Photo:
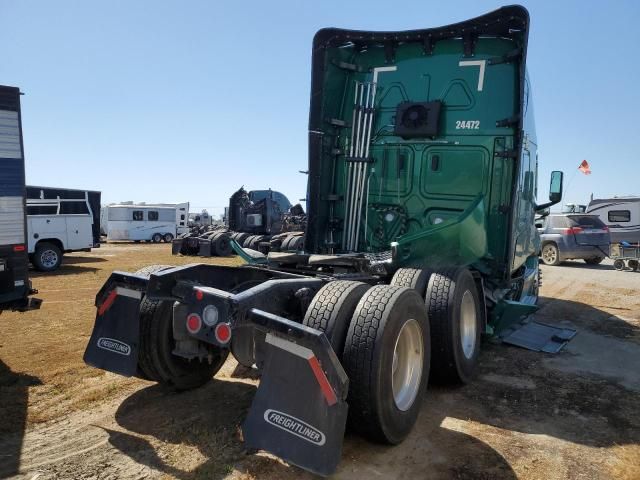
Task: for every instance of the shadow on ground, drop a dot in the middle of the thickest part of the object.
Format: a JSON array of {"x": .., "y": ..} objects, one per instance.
[
  {"x": 208, "y": 418},
  {"x": 579, "y": 264},
  {"x": 514, "y": 392},
  {"x": 65, "y": 269},
  {"x": 71, "y": 260},
  {"x": 14, "y": 399}
]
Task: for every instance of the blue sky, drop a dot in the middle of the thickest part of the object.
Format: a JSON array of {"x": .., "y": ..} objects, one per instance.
[{"x": 186, "y": 101}]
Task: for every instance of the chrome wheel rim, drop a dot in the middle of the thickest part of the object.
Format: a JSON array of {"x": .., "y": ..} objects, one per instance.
[
  {"x": 408, "y": 358},
  {"x": 549, "y": 254},
  {"x": 49, "y": 258},
  {"x": 468, "y": 324}
]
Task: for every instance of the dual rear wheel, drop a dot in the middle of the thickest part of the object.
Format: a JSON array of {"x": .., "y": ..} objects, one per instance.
[
  {"x": 391, "y": 338},
  {"x": 156, "y": 361}
]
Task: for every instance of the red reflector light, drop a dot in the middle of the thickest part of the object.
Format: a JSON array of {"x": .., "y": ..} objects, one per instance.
[
  {"x": 199, "y": 295},
  {"x": 572, "y": 230},
  {"x": 223, "y": 332},
  {"x": 19, "y": 248},
  {"x": 194, "y": 323}
]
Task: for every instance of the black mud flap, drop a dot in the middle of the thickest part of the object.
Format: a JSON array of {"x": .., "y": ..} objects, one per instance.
[
  {"x": 114, "y": 342},
  {"x": 299, "y": 412},
  {"x": 176, "y": 246},
  {"x": 204, "y": 247}
]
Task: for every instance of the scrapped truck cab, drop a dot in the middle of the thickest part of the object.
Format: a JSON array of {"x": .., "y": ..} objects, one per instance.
[{"x": 420, "y": 238}]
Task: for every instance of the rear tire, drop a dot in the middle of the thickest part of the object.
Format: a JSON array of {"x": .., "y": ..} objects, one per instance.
[
  {"x": 456, "y": 321},
  {"x": 550, "y": 254},
  {"x": 222, "y": 245},
  {"x": 47, "y": 257},
  {"x": 416, "y": 278},
  {"x": 241, "y": 237},
  {"x": 331, "y": 310},
  {"x": 618, "y": 264},
  {"x": 247, "y": 241},
  {"x": 155, "y": 359},
  {"x": 156, "y": 238},
  {"x": 168, "y": 237},
  {"x": 389, "y": 329},
  {"x": 296, "y": 244},
  {"x": 255, "y": 242},
  {"x": 633, "y": 265},
  {"x": 285, "y": 243},
  {"x": 594, "y": 260}
]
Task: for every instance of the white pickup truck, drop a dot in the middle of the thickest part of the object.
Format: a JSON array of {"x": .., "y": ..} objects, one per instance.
[{"x": 52, "y": 232}]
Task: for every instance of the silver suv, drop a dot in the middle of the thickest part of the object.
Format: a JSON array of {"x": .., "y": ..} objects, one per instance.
[{"x": 573, "y": 236}]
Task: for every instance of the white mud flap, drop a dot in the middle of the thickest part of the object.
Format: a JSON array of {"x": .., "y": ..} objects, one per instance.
[{"x": 299, "y": 412}]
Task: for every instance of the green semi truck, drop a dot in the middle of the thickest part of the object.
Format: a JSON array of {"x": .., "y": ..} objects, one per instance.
[{"x": 421, "y": 238}]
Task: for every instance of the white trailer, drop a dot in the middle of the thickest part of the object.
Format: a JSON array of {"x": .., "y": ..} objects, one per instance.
[
  {"x": 201, "y": 219},
  {"x": 621, "y": 215},
  {"x": 146, "y": 222},
  {"x": 52, "y": 231}
]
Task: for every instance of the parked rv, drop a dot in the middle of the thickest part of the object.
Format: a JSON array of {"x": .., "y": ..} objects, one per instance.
[
  {"x": 15, "y": 286},
  {"x": 59, "y": 221},
  {"x": 621, "y": 215},
  {"x": 147, "y": 222}
]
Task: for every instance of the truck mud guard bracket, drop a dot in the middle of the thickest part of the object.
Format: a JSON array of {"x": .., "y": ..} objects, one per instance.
[{"x": 299, "y": 412}]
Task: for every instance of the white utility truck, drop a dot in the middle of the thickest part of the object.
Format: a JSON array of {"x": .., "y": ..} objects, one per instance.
[{"x": 59, "y": 225}]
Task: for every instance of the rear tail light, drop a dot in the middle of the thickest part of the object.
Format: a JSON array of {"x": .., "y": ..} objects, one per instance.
[
  {"x": 19, "y": 248},
  {"x": 223, "y": 332},
  {"x": 605, "y": 228},
  {"x": 572, "y": 231},
  {"x": 194, "y": 323}
]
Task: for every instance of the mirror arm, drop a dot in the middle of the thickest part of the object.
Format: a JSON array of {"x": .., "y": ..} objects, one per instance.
[{"x": 542, "y": 206}]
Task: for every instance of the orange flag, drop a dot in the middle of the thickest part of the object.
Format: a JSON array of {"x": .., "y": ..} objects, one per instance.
[{"x": 584, "y": 167}]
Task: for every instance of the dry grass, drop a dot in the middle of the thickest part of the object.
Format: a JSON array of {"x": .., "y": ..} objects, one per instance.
[
  {"x": 42, "y": 350},
  {"x": 518, "y": 420}
]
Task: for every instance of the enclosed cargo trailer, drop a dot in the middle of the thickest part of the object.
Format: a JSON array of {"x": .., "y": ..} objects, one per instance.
[{"x": 15, "y": 285}]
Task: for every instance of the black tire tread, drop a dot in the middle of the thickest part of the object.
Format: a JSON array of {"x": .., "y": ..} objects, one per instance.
[
  {"x": 438, "y": 300},
  {"x": 147, "y": 309},
  {"x": 159, "y": 365},
  {"x": 358, "y": 358},
  {"x": 416, "y": 278},
  {"x": 330, "y": 302}
]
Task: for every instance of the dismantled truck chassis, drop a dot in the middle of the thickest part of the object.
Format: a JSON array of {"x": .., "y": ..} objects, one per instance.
[
  {"x": 261, "y": 220},
  {"x": 420, "y": 238}
]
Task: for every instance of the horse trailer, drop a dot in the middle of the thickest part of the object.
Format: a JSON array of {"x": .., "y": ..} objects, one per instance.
[{"x": 161, "y": 222}]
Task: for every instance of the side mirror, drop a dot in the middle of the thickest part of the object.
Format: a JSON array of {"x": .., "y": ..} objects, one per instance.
[
  {"x": 555, "y": 191},
  {"x": 555, "y": 188}
]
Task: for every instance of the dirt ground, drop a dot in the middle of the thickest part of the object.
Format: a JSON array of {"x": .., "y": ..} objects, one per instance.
[{"x": 528, "y": 415}]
